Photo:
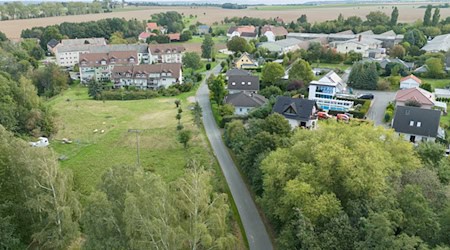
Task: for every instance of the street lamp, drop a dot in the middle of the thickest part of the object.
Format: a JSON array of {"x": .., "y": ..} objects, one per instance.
[{"x": 136, "y": 131}]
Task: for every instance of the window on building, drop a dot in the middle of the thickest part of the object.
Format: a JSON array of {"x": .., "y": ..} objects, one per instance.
[
  {"x": 419, "y": 124},
  {"x": 249, "y": 83},
  {"x": 411, "y": 123},
  {"x": 243, "y": 83},
  {"x": 358, "y": 48},
  {"x": 233, "y": 83}
]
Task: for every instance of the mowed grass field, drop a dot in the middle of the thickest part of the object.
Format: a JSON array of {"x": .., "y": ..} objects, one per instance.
[
  {"x": 408, "y": 12},
  {"x": 91, "y": 153}
]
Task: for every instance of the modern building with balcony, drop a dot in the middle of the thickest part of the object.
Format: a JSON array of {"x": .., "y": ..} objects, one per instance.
[{"x": 324, "y": 92}]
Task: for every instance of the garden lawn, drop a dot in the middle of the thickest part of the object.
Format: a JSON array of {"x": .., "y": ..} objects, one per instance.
[
  {"x": 436, "y": 83},
  {"x": 91, "y": 153},
  {"x": 340, "y": 66}
]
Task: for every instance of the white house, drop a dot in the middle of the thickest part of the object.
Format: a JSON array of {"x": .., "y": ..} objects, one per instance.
[
  {"x": 409, "y": 82},
  {"x": 248, "y": 32},
  {"x": 244, "y": 102},
  {"x": 147, "y": 76},
  {"x": 324, "y": 92},
  {"x": 298, "y": 112},
  {"x": 165, "y": 53},
  {"x": 272, "y": 32},
  {"x": 368, "y": 47}
]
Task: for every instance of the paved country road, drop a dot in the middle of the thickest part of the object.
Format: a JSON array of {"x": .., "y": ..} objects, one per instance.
[{"x": 256, "y": 232}]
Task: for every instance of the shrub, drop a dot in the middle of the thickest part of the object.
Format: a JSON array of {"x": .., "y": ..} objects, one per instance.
[
  {"x": 208, "y": 66},
  {"x": 383, "y": 84},
  {"x": 388, "y": 116},
  {"x": 127, "y": 94}
]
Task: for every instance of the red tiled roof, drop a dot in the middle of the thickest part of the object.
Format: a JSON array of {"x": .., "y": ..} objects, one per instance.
[
  {"x": 152, "y": 26},
  {"x": 415, "y": 78},
  {"x": 174, "y": 68},
  {"x": 145, "y": 35},
  {"x": 420, "y": 95},
  {"x": 277, "y": 30},
  {"x": 164, "y": 48},
  {"x": 174, "y": 36}
]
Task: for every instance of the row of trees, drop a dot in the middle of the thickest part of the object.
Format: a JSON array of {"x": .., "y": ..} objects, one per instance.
[
  {"x": 101, "y": 28},
  {"x": 19, "y": 10},
  {"x": 131, "y": 209}
]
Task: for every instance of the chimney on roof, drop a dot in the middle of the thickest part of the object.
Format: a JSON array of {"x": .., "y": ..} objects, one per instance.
[{"x": 359, "y": 38}]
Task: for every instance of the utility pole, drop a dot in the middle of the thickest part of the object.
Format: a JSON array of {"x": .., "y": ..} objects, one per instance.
[{"x": 136, "y": 131}]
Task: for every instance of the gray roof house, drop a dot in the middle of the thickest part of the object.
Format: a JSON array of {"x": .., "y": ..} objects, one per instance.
[
  {"x": 243, "y": 83},
  {"x": 203, "y": 29},
  {"x": 439, "y": 43},
  {"x": 299, "y": 112},
  {"x": 237, "y": 72},
  {"x": 244, "y": 102},
  {"x": 383, "y": 62},
  {"x": 417, "y": 124}
]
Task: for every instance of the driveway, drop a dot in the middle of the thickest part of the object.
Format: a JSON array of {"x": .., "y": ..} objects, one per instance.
[
  {"x": 379, "y": 104},
  {"x": 256, "y": 232}
]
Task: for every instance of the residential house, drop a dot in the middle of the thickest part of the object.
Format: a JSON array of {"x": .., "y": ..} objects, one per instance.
[
  {"x": 248, "y": 32},
  {"x": 273, "y": 32},
  {"x": 438, "y": 44},
  {"x": 368, "y": 47},
  {"x": 237, "y": 72},
  {"x": 152, "y": 26},
  {"x": 384, "y": 61},
  {"x": 203, "y": 29},
  {"x": 145, "y": 35},
  {"x": 442, "y": 93},
  {"x": 417, "y": 124},
  {"x": 244, "y": 102},
  {"x": 51, "y": 45},
  {"x": 324, "y": 92},
  {"x": 83, "y": 41},
  {"x": 410, "y": 81},
  {"x": 421, "y": 97},
  {"x": 422, "y": 69},
  {"x": 243, "y": 83},
  {"x": 298, "y": 112},
  {"x": 174, "y": 37},
  {"x": 99, "y": 66},
  {"x": 245, "y": 62},
  {"x": 147, "y": 76},
  {"x": 68, "y": 56},
  {"x": 165, "y": 53}
]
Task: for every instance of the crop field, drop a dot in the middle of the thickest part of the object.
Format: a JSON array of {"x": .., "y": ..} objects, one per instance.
[
  {"x": 209, "y": 15},
  {"x": 91, "y": 153}
]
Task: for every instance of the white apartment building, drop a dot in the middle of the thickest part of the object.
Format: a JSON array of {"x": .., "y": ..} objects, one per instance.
[
  {"x": 324, "y": 93},
  {"x": 165, "y": 53}
]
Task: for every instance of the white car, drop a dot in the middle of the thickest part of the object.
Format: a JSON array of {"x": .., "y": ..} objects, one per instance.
[{"x": 43, "y": 142}]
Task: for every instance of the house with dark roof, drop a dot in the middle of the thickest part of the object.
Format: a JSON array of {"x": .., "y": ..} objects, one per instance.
[
  {"x": 417, "y": 124},
  {"x": 244, "y": 102},
  {"x": 298, "y": 112},
  {"x": 237, "y": 72},
  {"x": 245, "y": 62},
  {"x": 51, "y": 45},
  {"x": 243, "y": 83}
]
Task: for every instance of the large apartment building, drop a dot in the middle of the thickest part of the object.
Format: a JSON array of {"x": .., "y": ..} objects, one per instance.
[
  {"x": 165, "y": 53},
  {"x": 147, "y": 76},
  {"x": 99, "y": 66},
  {"x": 69, "y": 55}
]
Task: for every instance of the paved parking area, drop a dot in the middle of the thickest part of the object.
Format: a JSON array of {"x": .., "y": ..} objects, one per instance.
[{"x": 380, "y": 102}]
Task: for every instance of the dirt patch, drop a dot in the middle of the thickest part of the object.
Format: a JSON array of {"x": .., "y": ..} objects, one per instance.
[
  {"x": 191, "y": 99},
  {"x": 209, "y": 15}
]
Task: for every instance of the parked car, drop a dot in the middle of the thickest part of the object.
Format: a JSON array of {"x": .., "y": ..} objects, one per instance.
[
  {"x": 343, "y": 117},
  {"x": 323, "y": 115},
  {"x": 367, "y": 96},
  {"x": 43, "y": 142}
]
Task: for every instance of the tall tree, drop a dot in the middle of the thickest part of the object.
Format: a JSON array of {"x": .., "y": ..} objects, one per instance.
[
  {"x": 216, "y": 85},
  {"x": 272, "y": 72},
  {"x": 394, "y": 17},
  {"x": 238, "y": 44},
  {"x": 207, "y": 47},
  {"x": 301, "y": 70},
  {"x": 427, "y": 15},
  {"x": 436, "y": 17},
  {"x": 435, "y": 68},
  {"x": 192, "y": 60}
]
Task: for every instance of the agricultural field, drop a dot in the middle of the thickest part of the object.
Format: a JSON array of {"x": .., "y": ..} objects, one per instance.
[
  {"x": 209, "y": 15},
  {"x": 90, "y": 154}
]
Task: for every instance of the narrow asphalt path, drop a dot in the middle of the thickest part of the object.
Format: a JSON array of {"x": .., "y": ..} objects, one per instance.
[{"x": 256, "y": 232}]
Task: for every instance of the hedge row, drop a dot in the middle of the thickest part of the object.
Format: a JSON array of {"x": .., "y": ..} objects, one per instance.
[{"x": 136, "y": 94}]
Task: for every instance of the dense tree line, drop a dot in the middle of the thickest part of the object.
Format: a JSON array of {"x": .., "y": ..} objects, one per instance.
[
  {"x": 101, "y": 28},
  {"x": 233, "y": 6},
  {"x": 21, "y": 109},
  {"x": 131, "y": 209},
  {"x": 172, "y": 20},
  {"x": 19, "y": 10}
]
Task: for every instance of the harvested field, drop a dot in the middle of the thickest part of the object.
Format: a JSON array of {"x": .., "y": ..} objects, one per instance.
[{"x": 208, "y": 15}]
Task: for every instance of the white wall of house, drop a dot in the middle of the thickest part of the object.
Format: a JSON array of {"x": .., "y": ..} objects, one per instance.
[
  {"x": 311, "y": 124},
  {"x": 408, "y": 84},
  {"x": 352, "y": 46},
  {"x": 68, "y": 59},
  {"x": 242, "y": 110},
  {"x": 418, "y": 138},
  {"x": 270, "y": 36},
  {"x": 235, "y": 33}
]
